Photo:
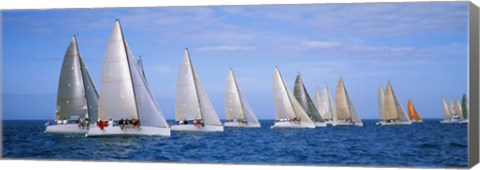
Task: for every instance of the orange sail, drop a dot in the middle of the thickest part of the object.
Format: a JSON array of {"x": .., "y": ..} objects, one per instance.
[{"x": 412, "y": 112}]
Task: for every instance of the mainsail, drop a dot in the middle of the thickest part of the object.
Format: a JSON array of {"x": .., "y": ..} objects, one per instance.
[
  {"x": 458, "y": 109},
  {"x": 381, "y": 102},
  {"x": 325, "y": 104},
  {"x": 192, "y": 101},
  {"x": 302, "y": 96},
  {"x": 76, "y": 97},
  {"x": 446, "y": 110},
  {"x": 124, "y": 90},
  {"x": 286, "y": 106},
  {"x": 344, "y": 107},
  {"x": 236, "y": 106},
  {"x": 393, "y": 109},
  {"x": 412, "y": 112}
]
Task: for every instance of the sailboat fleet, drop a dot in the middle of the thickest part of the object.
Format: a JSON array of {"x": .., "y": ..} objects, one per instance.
[{"x": 126, "y": 105}]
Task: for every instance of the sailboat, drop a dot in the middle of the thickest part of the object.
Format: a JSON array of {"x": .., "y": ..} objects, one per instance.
[
  {"x": 465, "y": 108},
  {"x": 346, "y": 113},
  {"x": 449, "y": 113},
  {"x": 77, "y": 98},
  {"x": 325, "y": 105},
  {"x": 288, "y": 111},
  {"x": 238, "y": 112},
  {"x": 194, "y": 112},
  {"x": 125, "y": 94},
  {"x": 393, "y": 113},
  {"x": 459, "y": 111},
  {"x": 302, "y": 96},
  {"x": 412, "y": 112}
]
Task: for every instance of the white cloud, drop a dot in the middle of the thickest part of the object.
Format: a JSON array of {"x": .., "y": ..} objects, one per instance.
[{"x": 225, "y": 48}]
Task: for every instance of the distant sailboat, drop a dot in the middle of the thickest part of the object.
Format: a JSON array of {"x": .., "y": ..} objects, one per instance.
[
  {"x": 325, "y": 105},
  {"x": 238, "y": 112},
  {"x": 412, "y": 112},
  {"x": 192, "y": 103},
  {"x": 302, "y": 96},
  {"x": 125, "y": 94},
  {"x": 381, "y": 102},
  {"x": 448, "y": 113},
  {"x": 288, "y": 111},
  {"x": 393, "y": 113},
  {"x": 346, "y": 113},
  {"x": 77, "y": 97}
]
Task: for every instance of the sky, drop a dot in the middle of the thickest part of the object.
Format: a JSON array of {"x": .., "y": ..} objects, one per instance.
[{"x": 420, "y": 47}]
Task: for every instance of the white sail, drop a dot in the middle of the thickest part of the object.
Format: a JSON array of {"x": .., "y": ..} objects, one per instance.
[
  {"x": 91, "y": 93},
  {"x": 233, "y": 103},
  {"x": 249, "y": 115},
  {"x": 446, "y": 110},
  {"x": 117, "y": 98},
  {"x": 192, "y": 101},
  {"x": 452, "y": 108},
  {"x": 392, "y": 108},
  {"x": 381, "y": 102},
  {"x": 149, "y": 112},
  {"x": 331, "y": 103},
  {"x": 301, "y": 95},
  {"x": 327, "y": 109},
  {"x": 124, "y": 90},
  {"x": 344, "y": 107},
  {"x": 458, "y": 109},
  {"x": 236, "y": 106},
  {"x": 187, "y": 102},
  {"x": 286, "y": 106},
  {"x": 71, "y": 102}
]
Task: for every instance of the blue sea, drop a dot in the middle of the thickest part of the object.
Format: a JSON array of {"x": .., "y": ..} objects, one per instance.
[{"x": 428, "y": 144}]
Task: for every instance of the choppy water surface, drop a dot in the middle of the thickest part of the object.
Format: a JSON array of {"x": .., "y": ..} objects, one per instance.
[{"x": 428, "y": 144}]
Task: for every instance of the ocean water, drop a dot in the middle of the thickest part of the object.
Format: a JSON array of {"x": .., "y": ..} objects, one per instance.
[{"x": 428, "y": 144}]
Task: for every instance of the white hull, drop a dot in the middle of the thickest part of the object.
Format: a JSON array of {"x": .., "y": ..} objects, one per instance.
[
  {"x": 116, "y": 131},
  {"x": 450, "y": 121},
  {"x": 292, "y": 125},
  {"x": 383, "y": 123},
  {"x": 330, "y": 122},
  {"x": 193, "y": 128},
  {"x": 464, "y": 121},
  {"x": 340, "y": 123},
  {"x": 320, "y": 124},
  {"x": 238, "y": 124},
  {"x": 417, "y": 121},
  {"x": 65, "y": 129}
]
